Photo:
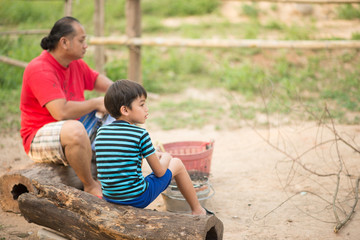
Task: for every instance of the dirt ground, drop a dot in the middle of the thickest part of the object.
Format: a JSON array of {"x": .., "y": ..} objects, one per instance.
[{"x": 252, "y": 181}]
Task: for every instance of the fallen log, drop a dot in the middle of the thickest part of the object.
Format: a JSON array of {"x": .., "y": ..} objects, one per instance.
[
  {"x": 42, "y": 198},
  {"x": 13, "y": 184}
]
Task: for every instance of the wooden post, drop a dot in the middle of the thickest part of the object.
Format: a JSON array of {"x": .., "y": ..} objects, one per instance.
[
  {"x": 68, "y": 7},
  {"x": 133, "y": 30},
  {"x": 99, "y": 31}
]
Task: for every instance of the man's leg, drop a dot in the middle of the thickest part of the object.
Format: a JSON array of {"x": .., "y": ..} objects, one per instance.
[{"x": 77, "y": 149}]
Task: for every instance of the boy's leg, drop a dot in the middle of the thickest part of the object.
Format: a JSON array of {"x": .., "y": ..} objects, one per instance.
[
  {"x": 77, "y": 149},
  {"x": 185, "y": 186}
]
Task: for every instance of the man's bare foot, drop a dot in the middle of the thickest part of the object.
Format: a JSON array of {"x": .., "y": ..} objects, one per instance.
[{"x": 94, "y": 189}]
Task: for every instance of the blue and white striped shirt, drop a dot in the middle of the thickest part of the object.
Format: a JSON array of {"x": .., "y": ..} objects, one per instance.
[{"x": 120, "y": 148}]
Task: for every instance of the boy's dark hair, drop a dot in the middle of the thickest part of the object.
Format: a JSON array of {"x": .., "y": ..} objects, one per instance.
[
  {"x": 63, "y": 27},
  {"x": 122, "y": 93}
]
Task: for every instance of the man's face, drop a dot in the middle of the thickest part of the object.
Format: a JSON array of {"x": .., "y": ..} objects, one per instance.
[{"x": 77, "y": 44}]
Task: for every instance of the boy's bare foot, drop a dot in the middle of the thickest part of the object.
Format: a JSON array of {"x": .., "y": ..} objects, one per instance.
[{"x": 202, "y": 211}]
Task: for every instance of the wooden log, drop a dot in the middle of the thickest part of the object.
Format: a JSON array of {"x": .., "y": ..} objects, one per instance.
[
  {"x": 40, "y": 195},
  {"x": 79, "y": 215},
  {"x": 13, "y": 184}
]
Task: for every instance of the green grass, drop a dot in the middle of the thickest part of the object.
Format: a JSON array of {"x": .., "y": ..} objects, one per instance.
[
  {"x": 355, "y": 36},
  {"x": 23, "y": 14},
  {"x": 250, "y": 10},
  {"x": 189, "y": 113},
  {"x": 349, "y": 11},
  {"x": 22, "y": 48},
  {"x": 9, "y": 111},
  {"x": 165, "y": 8}
]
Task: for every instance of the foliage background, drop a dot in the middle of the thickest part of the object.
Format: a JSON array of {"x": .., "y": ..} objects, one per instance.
[{"x": 282, "y": 77}]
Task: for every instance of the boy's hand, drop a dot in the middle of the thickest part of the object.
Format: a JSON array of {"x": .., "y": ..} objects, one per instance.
[{"x": 163, "y": 155}]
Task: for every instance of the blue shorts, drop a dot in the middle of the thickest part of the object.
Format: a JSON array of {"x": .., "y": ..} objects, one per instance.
[{"x": 156, "y": 186}]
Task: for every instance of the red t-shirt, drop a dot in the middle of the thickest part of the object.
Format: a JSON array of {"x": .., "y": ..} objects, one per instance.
[{"x": 45, "y": 80}]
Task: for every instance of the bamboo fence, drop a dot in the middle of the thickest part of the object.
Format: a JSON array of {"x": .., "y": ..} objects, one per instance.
[
  {"x": 225, "y": 43},
  {"x": 25, "y": 32},
  {"x": 14, "y": 62},
  {"x": 134, "y": 41}
]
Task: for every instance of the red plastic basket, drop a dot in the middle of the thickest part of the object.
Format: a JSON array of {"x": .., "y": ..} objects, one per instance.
[{"x": 195, "y": 155}]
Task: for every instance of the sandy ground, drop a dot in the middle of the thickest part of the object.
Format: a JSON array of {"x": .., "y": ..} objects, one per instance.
[{"x": 252, "y": 180}]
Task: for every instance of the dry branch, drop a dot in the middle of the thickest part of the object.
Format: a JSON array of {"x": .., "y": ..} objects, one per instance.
[
  {"x": 342, "y": 223},
  {"x": 341, "y": 172}
]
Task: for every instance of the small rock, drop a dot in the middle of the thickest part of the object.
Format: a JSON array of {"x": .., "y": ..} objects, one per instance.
[{"x": 20, "y": 234}]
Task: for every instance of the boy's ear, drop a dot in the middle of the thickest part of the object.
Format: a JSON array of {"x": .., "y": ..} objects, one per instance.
[{"x": 124, "y": 110}]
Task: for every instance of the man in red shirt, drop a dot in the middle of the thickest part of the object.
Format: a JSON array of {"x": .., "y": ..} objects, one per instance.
[{"x": 52, "y": 101}]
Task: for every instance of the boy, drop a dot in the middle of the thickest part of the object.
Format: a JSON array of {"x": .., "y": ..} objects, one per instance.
[{"x": 121, "y": 146}]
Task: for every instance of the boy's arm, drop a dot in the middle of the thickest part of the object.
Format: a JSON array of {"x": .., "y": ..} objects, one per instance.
[{"x": 159, "y": 163}]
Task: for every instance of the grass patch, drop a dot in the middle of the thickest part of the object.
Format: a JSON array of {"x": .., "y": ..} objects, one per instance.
[
  {"x": 190, "y": 113},
  {"x": 349, "y": 11},
  {"x": 25, "y": 14},
  {"x": 355, "y": 36},
  {"x": 166, "y": 8},
  {"x": 250, "y": 10},
  {"x": 22, "y": 48},
  {"x": 9, "y": 111},
  {"x": 173, "y": 71}
]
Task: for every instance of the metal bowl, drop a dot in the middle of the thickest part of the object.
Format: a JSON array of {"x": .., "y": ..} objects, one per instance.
[{"x": 175, "y": 202}]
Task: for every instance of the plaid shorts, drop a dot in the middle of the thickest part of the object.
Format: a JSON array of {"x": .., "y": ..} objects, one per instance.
[{"x": 46, "y": 146}]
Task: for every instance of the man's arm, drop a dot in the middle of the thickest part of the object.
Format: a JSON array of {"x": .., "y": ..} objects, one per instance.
[
  {"x": 102, "y": 83},
  {"x": 60, "y": 109}
]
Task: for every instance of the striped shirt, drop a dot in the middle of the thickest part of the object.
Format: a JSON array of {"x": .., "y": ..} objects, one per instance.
[{"x": 120, "y": 148}]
